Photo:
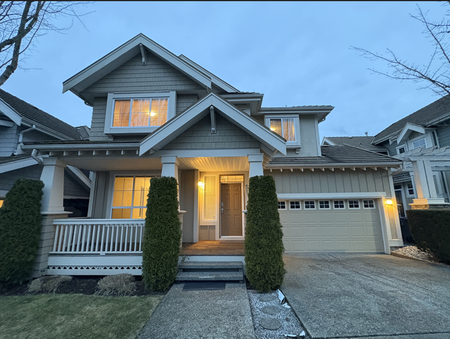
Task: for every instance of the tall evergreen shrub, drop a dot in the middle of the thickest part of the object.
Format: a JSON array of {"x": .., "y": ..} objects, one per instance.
[
  {"x": 20, "y": 231},
  {"x": 263, "y": 236},
  {"x": 162, "y": 235},
  {"x": 431, "y": 232}
]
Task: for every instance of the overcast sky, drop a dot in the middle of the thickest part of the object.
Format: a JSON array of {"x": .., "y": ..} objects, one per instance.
[{"x": 295, "y": 53}]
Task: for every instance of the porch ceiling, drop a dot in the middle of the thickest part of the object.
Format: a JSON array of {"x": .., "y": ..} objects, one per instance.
[{"x": 215, "y": 164}]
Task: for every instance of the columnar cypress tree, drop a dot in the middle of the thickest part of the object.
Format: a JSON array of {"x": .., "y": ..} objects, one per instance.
[
  {"x": 162, "y": 235},
  {"x": 263, "y": 236},
  {"x": 20, "y": 231}
]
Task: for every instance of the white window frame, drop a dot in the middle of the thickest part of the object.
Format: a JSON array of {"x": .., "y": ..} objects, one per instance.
[
  {"x": 309, "y": 208},
  {"x": 354, "y": 208},
  {"x": 285, "y": 205},
  {"x": 109, "y": 129},
  {"x": 324, "y": 208},
  {"x": 339, "y": 208},
  {"x": 289, "y": 144},
  {"x": 369, "y": 208},
  {"x": 408, "y": 194},
  {"x": 299, "y": 205},
  {"x": 399, "y": 147},
  {"x": 424, "y": 138}
]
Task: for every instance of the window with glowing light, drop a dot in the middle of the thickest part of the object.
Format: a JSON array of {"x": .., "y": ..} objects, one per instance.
[
  {"x": 285, "y": 126},
  {"x": 130, "y": 197},
  {"x": 140, "y": 112}
]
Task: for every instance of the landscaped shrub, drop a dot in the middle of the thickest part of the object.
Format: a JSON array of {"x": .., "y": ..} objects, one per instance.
[
  {"x": 162, "y": 235},
  {"x": 20, "y": 231},
  {"x": 117, "y": 284},
  {"x": 431, "y": 231},
  {"x": 263, "y": 236}
]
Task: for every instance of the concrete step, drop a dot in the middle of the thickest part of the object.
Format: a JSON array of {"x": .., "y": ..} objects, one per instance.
[
  {"x": 210, "y": 276},
  {"x": 211, "y": 265}
]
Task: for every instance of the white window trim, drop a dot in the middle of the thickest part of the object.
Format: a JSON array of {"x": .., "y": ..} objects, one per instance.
[
  {"x": 285, "y": 205},
  {"x": 408, "y": 195},
  {"x": 419, "y": 139},
  {"x": 354, "y": 208},
  {"x": 338, "y": 208},
  {"x": 368, "y": 208},
  {"x": 289, "y": 144},
  {"x": 324, "y": 208},
  {"x": 309, "y": 209},
  {"x": 401, "y": 146},
  {"x": 109, "y": 129},
  {"x": 295, "y": 209}
]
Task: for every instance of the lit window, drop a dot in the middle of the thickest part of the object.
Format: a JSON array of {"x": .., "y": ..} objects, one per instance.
[
  {"x": 324, "y": 204},
  {"x": 339, "y": 204},
  {"x": 294, "y": 205},
  {"x": 310, "y": 205},
  {"x": 284, "y": 127},
  {"x": 368, "y": 204},
  {"x": 140, "y": 112},
  {"x": 419, "y": 143},
  {"x": 353, "y": 204},
  {"x": 1, "y": 202},
  {"x": 281, "y": 205},
  {"x": 130, "y": 197}
]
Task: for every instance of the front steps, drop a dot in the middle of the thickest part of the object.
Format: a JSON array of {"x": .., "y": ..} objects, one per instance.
[{"x": 210, "y": 271}]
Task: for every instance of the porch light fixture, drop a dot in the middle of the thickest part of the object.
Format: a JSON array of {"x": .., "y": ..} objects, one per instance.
[
  {"x": 201, "y": 184},
  {"x": 389, "y": 202}
]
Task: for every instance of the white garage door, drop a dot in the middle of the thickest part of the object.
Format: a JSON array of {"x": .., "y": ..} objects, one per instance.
[{"x": 333, "y": 226}]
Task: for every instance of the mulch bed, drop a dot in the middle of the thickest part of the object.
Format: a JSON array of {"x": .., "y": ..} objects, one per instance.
[{"x": 81, "y": 285}]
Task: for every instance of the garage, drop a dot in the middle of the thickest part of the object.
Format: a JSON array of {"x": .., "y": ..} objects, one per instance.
[{"x": 331, "y": 225}]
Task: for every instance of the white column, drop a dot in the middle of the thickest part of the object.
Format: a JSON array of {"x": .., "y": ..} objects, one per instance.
[
  {"x": 169, "y": 167},
  {"x": 424, "y": 183},
  {"x": 256, "y": 166},
  {"x": 53, "y": 178}
]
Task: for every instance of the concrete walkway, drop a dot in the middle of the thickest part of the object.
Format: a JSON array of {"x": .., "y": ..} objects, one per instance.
[
  {"x": 369, "y": 296},
  {"x": 202, "y": 314}
]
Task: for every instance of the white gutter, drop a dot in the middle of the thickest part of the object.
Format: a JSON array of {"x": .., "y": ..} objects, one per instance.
[{"x": 20, "y": 143}]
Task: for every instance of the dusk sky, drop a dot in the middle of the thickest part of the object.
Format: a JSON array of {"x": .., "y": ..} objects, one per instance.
[{"x": 295, "y": 53}]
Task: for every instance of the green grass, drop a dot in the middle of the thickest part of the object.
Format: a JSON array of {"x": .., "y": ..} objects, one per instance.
[{"x": 74, "y": 316}]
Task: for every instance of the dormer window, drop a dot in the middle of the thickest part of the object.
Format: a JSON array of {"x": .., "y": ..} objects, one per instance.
[
  {"x": 138, "y": 113},
  {"x": 286, "y": 126},
  {"x": 419, "y": 143}
]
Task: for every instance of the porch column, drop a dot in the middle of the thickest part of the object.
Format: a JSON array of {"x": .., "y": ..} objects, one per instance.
[
  {"x": 256, "y": 166},
  {"x": 169, "y": 167},
  {"x": 51, "y": 208},
  {"x": 424, "y": 184}
]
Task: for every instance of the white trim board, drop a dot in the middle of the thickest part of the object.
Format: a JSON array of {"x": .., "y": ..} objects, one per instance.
[
  {"x": 10, "y": 112},
  {"x": 330, "y": 196},
  {"x": 18, "y": 164}
]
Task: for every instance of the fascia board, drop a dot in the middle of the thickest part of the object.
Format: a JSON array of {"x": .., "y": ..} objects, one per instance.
[
  {"x": 242, "y": 119},
  {"x": 331, "y": 196},
  {"x": 336, "y": 165},
  {"x": 15, "y": 165},
  {"x": 127, "y": 47},
  {"x": 46, "y": 130},
  {"x": 83, "y": 147},
  {"x": 10, "y": 112},
  {"x": 328, "y": 141},
  {"x": 406, "y": 131}
]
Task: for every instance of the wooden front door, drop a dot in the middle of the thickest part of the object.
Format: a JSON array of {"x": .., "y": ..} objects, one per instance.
[{"x": 231, "y": 210}]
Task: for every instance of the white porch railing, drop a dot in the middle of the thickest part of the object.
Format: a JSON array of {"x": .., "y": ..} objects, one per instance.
[{"x": 98, "y": 236}]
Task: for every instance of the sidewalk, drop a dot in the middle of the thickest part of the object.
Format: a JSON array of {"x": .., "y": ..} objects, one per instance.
[{"x": 202, "y": 314}]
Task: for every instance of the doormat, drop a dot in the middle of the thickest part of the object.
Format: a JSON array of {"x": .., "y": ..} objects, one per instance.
[{"x": 204, "y": 285}]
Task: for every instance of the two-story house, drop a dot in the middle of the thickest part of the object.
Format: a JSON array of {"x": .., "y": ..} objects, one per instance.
[
  {"x": 21, "y": 122},
  {"x": 158, "y": 114},
  {"x": 421, "y": 140}
]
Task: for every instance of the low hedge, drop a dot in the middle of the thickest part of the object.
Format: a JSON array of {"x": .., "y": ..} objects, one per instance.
[
  {"x": 20, "y": 231},
  {"x": 263, "y": 236},
  {"x": 431, "y": 231},
  {"x": 162, "y": 235}
]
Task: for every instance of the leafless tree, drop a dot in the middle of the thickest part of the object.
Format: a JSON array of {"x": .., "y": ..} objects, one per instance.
[
  {"x": 435, "y": 74},
  {"x": 22, "y": 22}
]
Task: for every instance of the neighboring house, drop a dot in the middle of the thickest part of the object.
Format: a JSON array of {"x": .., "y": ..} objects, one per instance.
[
  {"x": 21, "y": 122},
  {"x": 364, "y": 142},
  {"x": 157, "y": 114},
  {"x": 421, "y": 140}
]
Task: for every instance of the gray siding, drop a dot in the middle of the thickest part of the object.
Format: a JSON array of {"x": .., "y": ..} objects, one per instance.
[
  {"x": 72, "y": 187},
  {"x": 199, "y": 136},
  {"x": 98, "y": 121},
  {"x": 100, "y": 199},
  {"x": 8, "y": 179},
  {"x": 185, "y": 101},
  {"x": 444, "y": 136},
  {"x": 8, "y": 143},
  {"x": 331, "y": 182},
  {"x": 132, "y": 77},
  {"x": 187, "y": 197}
]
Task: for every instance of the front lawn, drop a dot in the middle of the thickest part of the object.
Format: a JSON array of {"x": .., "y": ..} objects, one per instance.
[{"x": 74, "y": 316}]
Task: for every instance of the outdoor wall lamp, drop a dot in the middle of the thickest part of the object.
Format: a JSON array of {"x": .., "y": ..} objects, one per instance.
[
  {"x": 201, "y": 184},
  {"x": 389, "y": 202}
]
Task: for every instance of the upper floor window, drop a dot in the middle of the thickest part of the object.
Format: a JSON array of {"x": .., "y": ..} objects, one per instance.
[
  {"x": 419, "y": 143},
  {"x": 287, "y": 127},
  {"x": 401, "y": 149},
  {"x": 138, "y": 113}
]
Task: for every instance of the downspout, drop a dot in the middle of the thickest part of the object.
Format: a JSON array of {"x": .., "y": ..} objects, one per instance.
[
  {"x": 20, "y": 143},
  {"x": 36, "y": 157}
]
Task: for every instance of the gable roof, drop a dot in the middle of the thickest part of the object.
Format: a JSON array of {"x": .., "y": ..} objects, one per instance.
[
  {"x": 174, "y": 127},
  {"x": 337, "y": 156},
  {"x": 426, "y": 116},
  {"x": 358, "y": 141},
  {"x": 33, "y": 115},
  {"x": 131, "y": 48}
]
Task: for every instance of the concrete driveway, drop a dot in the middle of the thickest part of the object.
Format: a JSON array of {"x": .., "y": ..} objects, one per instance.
[{"x": 382, "y": 296}]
